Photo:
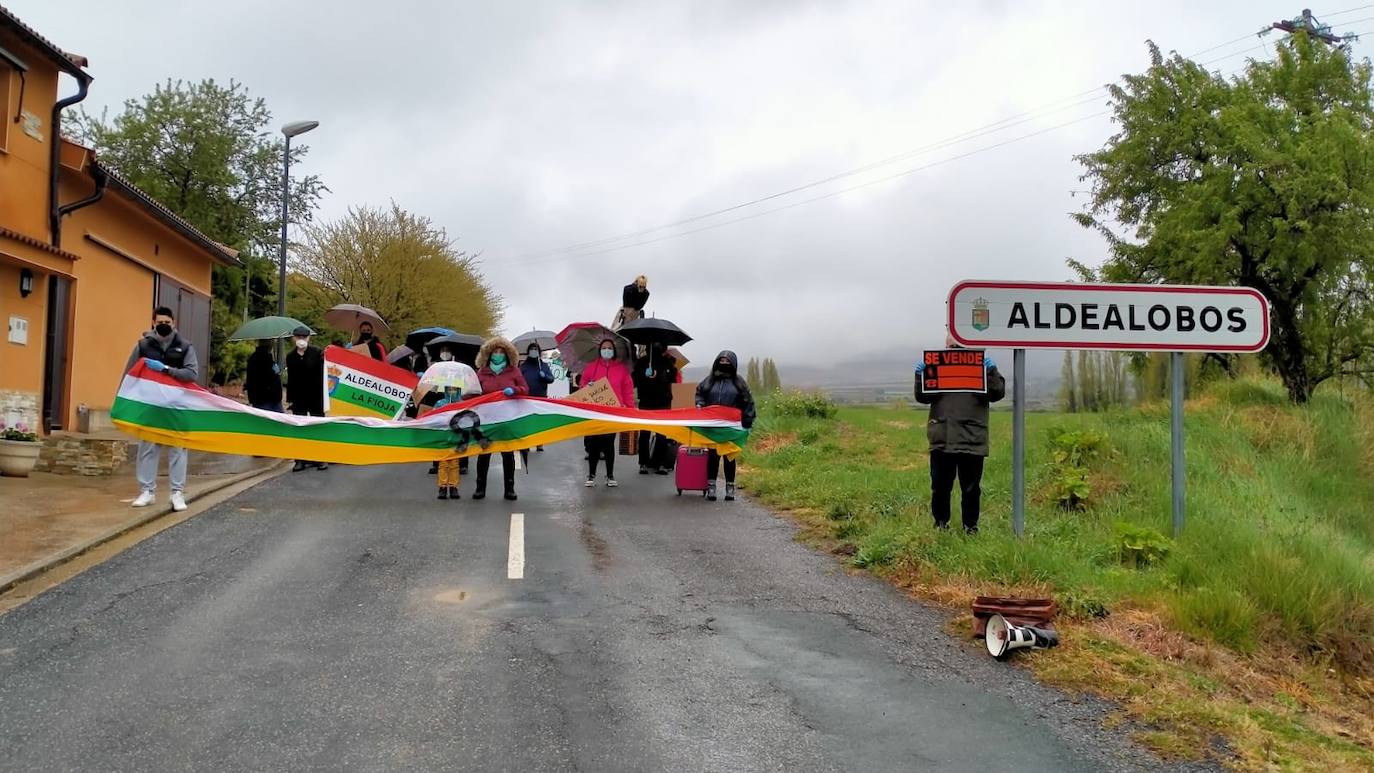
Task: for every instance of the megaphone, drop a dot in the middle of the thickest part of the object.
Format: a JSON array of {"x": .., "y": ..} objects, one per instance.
[{"x": 1003, "y": 637}]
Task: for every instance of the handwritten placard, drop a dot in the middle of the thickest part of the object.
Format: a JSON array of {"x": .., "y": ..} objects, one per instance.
[
  {"x": 954, "y": 370},
  {"x": 598, "y": 392}
]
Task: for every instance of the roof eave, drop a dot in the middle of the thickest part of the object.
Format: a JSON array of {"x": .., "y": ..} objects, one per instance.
[
  {"x": 221, "y": 254},
  {"x": 71, "y": 64}
]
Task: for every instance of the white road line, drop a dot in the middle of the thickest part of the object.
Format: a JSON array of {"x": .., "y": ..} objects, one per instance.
[{"x": 515, "y": 563}]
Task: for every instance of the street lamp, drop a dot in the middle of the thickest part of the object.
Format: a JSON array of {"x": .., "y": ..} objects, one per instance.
[{"x": 290, "y": 130}]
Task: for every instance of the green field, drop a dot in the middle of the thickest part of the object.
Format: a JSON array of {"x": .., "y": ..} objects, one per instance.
[{"x": 1274, "y": 572}]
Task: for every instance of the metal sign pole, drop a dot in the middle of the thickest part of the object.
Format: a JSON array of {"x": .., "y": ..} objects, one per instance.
[
  {"x": 1179, "y": 472},
  {"x": 1018, "y": 443}
]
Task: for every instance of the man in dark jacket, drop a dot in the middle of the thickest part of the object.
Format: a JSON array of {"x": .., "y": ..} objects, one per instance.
[
  {"x": 263, "y": 379},
  {"x": 725, "y": 387},
  {"x": 654, "y": 376},
  {"x": 163, "y": 350},
  {"x": 305, "y": 384},
  {"x": 958, "y": 433}
]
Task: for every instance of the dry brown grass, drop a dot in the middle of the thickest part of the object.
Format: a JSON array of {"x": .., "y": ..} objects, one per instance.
[{"x": 767, "y": 444}]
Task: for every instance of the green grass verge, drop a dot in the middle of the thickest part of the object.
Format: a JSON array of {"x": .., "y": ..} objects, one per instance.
[{"x": 1276, "y": 551}]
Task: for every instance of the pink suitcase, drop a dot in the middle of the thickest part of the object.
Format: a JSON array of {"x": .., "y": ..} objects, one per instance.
[{"x": 691, "y": 469}]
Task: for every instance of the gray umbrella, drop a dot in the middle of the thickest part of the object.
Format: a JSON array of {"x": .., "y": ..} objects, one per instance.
[{"x": 546, "y": 339}]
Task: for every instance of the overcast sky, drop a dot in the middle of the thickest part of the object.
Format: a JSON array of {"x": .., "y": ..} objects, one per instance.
[{"x": 523, "y": 127}]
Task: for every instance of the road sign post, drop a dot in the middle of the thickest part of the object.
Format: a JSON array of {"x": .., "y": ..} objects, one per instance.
[{"x": 1112, "y": 317}]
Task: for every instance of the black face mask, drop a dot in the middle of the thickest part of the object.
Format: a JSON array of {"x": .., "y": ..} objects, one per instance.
[
  {"x": 163, "y": 329},
  {"x": 363, "y": 336}
]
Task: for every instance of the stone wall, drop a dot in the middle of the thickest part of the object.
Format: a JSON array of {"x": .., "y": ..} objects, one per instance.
[
  {"x": 20, "y": 408},
  {"x": 70, "y": 453}
]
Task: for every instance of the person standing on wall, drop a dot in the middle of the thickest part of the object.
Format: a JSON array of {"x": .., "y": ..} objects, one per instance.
[
  {"x": 958, "y": 433},
  {"x": 163, "y": 350},
  {"x": 632, "y": 301},
  {"x": 305, "y": 384},
  {"x": 262, "y": 381}
]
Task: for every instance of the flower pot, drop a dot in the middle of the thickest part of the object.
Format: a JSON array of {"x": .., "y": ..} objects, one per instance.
[{"x": 17, "y": 457}]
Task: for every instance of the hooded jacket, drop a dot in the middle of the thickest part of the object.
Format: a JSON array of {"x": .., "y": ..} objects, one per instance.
[
  {"x": 617, "y": 374},
  {"x": 537, "y": 375},
  {"x": 509, "y": 376},
  {"x": 730, "y": 391},
  {"x": 958, "y": 422}
]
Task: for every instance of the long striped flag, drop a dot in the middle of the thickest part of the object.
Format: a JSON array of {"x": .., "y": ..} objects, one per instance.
[{"x": 155, "y": 407}]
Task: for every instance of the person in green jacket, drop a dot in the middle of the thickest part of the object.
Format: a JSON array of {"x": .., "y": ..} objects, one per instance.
[{"x": 958, "y": 433}]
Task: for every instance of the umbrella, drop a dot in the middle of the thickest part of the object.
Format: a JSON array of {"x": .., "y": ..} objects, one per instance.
[
  {"x": 416, "y": 339},
  {"x": 449, "y": 375},
  {"x": 580, "y": 342},
  {"x": 643, "y": 332},
  {"x": 465, "y": 347},
  {"x": 266, "y": 328},
  {"x": 681, "y": 358},
  {"x": 545, "y": 339},
  {"x": 348, "y": 316},
  {"x": 398, "y": 354}
]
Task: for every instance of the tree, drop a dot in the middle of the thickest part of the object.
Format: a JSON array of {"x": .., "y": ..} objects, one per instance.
[
  {"x": 772, "y": 382},
  {"x": 752, "y": 375},
  {"x": 206, "y": 152},
  {"x": 399, "y": 264},
  {"x": 1264, "y": 181}
]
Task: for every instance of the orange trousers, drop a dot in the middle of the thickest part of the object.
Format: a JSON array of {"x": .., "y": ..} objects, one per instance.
[{"x": 448, "y": 473}]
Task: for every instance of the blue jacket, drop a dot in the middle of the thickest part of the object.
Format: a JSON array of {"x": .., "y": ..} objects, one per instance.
[{"x": 537, "y": 376}]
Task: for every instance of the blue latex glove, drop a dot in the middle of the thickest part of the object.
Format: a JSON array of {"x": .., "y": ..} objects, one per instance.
[
  {"x": 920, "y": 368},
  {"x": 154, "y": 364},
  {"x": 649, "y": 372},
  {"x": 989, "y": 363},
  {"x": 276, "y": 368},
  {"x": 508, "y": 391}
]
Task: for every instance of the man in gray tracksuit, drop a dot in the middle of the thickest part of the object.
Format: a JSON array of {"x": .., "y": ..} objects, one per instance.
[
  {"x": 164, "y": 350},
  {"x": 958, "y": 434}
]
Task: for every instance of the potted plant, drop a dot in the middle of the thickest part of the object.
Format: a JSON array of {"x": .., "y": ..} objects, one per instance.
[{"x": 19, "y": 449}]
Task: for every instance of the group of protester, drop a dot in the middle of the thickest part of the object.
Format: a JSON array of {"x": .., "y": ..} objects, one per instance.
[{"x": 957, "y": 427}]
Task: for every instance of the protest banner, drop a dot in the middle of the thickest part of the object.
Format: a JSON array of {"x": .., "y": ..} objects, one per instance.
[{"x": 357, "y": 385}]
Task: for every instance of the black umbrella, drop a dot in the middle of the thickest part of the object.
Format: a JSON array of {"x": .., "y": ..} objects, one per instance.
[
  {"x": 416, "y": 339},
  {"x": 465, "y": 347},
  {"x": 644, "y": 332}
]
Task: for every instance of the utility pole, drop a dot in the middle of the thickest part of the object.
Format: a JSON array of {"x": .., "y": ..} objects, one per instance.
[{"x": 1309, "y": 24}]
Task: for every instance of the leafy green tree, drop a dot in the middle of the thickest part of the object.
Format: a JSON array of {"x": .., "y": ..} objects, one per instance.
[
  {"x": 1265, "y": 180},
  {"x": 207, "y": 152},
  {"x": 398, "y": 263},
  {"x": 752, "y": 375}
]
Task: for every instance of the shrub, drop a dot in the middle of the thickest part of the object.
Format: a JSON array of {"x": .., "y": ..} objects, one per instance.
[
  {"x": 795, "y": 402},
  {"x": 1070, "y": 453},
  {"x": 1140, "y": 546}
]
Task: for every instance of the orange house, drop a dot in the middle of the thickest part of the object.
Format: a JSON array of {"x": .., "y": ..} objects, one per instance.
[{"x": 84, "y": 255}]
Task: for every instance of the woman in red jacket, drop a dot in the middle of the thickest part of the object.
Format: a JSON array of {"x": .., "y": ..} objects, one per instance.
[
  {"x": 498, "y": 371},
  {"x": 607, "y": 366}
]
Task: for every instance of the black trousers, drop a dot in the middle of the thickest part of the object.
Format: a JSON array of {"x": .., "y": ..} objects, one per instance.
[
  {"x": 507, "y": 471},
  {"x": 305, "y": 412},
  {"x": 713, "y": 468},
  {"x": 653, "y": 450},
  {"x": 944, "y": 468},
  {"x": 600, "y": 447}
]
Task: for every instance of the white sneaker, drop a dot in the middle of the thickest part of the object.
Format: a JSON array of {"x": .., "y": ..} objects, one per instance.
[
  {"x": 610, "y": 483},
  {"x": 178, "y": 501},
  {"x": 144, "y": 499},
  {"x": 590, "y": 482}
]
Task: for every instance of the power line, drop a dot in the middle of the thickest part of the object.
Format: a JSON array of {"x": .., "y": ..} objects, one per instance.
[
  {"x": 813, "y": 199},
  {"x": 1348, "y": 10},
  {"x": 579, "y": 249}
]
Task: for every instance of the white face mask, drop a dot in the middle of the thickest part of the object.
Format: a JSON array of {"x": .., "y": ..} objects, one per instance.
[
  {"x": 301, "y": 343},
  {"x": 533, "y": 354},
  {"x": 607, "y": 354},
  {"x": 445, "y": 356}
]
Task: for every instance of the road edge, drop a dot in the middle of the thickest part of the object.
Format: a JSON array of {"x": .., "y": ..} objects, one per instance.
[{"x": 42, "y": 566}]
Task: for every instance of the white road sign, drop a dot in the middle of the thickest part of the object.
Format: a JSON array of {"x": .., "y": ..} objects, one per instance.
[{"x": 1048, "y": 315}]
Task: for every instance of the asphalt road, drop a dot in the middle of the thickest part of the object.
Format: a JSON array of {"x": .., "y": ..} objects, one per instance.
[{"x": 346, "y": 620}]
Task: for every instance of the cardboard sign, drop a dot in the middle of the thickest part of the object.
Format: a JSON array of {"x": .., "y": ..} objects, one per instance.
[
  {"x": 684, "y": 396},
  {"x": 598, "y": 392},
  {"x": 954, "y": 370}
]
